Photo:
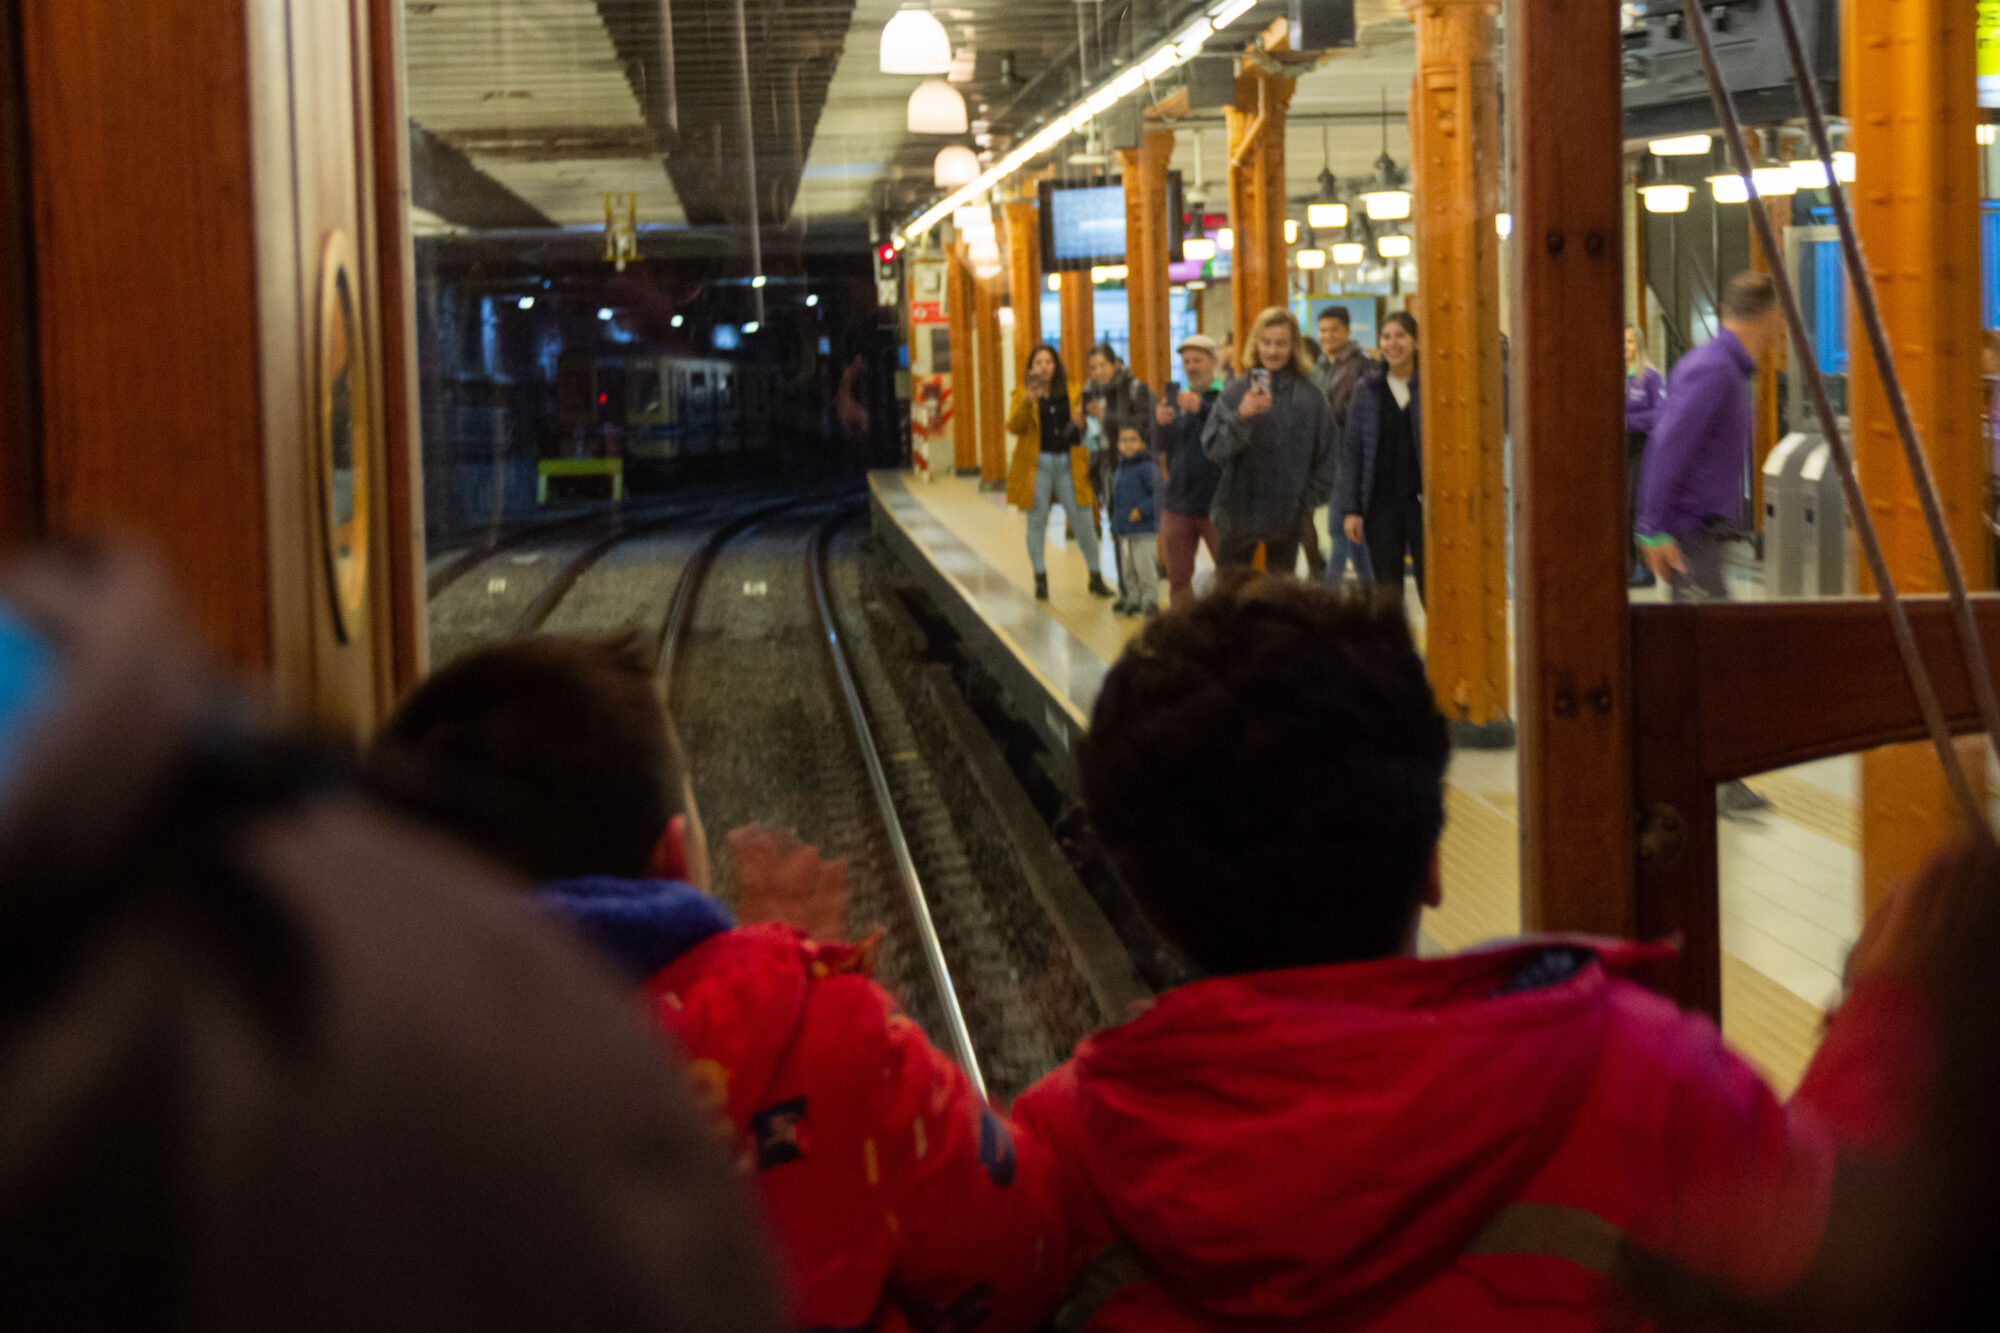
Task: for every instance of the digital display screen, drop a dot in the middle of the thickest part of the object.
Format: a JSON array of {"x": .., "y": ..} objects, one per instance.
[
  {"x": 1087, "y": 226},
  {"x": 1083, "y": 225}
]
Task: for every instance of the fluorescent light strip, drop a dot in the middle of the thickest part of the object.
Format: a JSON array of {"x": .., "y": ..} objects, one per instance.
[{"x": 1180, "y": 50}]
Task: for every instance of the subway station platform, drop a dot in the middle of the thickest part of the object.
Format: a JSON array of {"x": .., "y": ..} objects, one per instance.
[{"x": 1790, "y": 875}]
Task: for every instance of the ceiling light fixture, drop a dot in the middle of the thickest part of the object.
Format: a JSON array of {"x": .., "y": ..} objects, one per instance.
[
  {"x": 1133, "y": 77},
  {"x": 1326, "y": 215},
  {"x": 937, "y": 108},
  {"x": 1055, "y": 282},
  {"x": 1388, "y": 201},
  {"x": 1198, "y": 249},
  {"x": 1311, "y": 259},
  {"x": 1394, "y": 245},
  {"x": 1774, "y": 182},
  {"x": 1809, "y": 173},
  {"x": 1667, "y": 198},
  {"x": 1843, "y": 167},
  {"x": 1503, "y": 224},
  {"x": 1108, "y": 273},
  {"x": 954, "y": 166},
  {"x": 914, "y": 42},
  {"x": 1350, "y": 252},
  {"x": 1730, "y": 189},
  {"x": 1685, "y": 145},
  {"x": 1225, "y": 238},
  {"x": 526, "y": 303},
  {"x": 1291, "y": 231}
]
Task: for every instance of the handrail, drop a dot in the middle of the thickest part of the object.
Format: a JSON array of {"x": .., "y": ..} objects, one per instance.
[
  {"x": 958, "y": 1035},
  {"x": 1864, "y": 523}
]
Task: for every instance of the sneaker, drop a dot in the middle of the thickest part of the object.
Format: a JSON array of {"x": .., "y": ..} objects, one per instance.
[
  {"x": 1736, "y": 799},
  {"x": 1098, "y": 587},
  {"x": 1041, "y": 587}
]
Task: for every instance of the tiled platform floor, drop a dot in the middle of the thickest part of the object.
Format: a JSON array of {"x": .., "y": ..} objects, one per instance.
[{"x": 1790, "y": 877}]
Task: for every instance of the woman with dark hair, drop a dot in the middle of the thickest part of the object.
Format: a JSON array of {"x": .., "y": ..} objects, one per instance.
[
  {"x": 1049, "y": 464},
  {"x": 1382, "y": 484}
]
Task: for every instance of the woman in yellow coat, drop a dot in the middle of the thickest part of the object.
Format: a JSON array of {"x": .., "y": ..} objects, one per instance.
[{"x": 1048, "y": 465}]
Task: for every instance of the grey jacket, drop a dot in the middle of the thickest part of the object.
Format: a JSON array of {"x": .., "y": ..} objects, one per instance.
[{"x": 1276, "y": 467}]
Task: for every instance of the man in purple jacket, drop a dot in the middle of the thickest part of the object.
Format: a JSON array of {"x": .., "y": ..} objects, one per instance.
[{"x": 1691, "y": 492}]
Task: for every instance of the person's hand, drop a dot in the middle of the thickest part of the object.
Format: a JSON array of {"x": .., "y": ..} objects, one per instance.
[
  {"x": 1908, "y": 936},
  {"x": 1038, "y": 389},
  {"x": 781, "y": 879},
  {"x": 1094, "y": 408},
  {"x": 1190, "y": 401},
  {"x": 1255, "y": 403},
  {"x": 1664, "y": 559},
  {"x": 1351, "y": 525},
  {"x": 1164, "y": 414}
]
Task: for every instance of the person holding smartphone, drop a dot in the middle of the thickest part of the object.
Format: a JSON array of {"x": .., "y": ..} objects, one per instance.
[
  {"x": 1191, "y": 478},
  {"x": 1049, "y": 465},
  {"x": 1273, "y": 436}
]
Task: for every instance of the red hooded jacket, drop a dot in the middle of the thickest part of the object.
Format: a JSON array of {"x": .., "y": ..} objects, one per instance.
[
  {"x": 1468, "y": 1142},
  {"x": 892, "y": 1190}
]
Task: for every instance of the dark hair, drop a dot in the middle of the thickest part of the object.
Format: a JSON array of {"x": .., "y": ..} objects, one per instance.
[
  {"x": 1058, "y": 382},
  {"x": 1265, "y": 770},
  {"x": 1105, "y": 350},
  {"x": 1338, "y": 312},
  {"x": 554, "y": 754},
  {"x": 1407, "y": 320},
  {"x": 1748, "y": 296}
]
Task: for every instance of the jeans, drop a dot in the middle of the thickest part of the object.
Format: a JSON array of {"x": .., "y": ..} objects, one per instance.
[
  {"x": 1180, "y": 536},
  {"x": 1392, "y": 528},
  {"x": 1344, "y": 551},
  {"x": 1139, "y": 571},
  {"x": 1053, "y": 479},
  {"x": 1309, "y": 543}
]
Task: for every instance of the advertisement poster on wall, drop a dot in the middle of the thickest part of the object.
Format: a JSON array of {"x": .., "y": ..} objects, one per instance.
[
  {"x": 930, "y": 369},
  {"x": 1989, "y": 52}
]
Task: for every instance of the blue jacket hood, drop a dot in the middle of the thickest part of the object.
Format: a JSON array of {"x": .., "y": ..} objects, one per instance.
[{"x": 643, "y": 924}]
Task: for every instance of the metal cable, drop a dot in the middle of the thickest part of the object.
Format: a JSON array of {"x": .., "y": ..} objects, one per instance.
[
  {"x": 1914, "y": 666},
  {"x": 1870, "y": 309}
]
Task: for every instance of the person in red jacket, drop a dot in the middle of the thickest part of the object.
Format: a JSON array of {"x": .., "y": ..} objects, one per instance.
[
  {"x": 893, "y": 1191},
  {"x": 1329, "y": 1132}
]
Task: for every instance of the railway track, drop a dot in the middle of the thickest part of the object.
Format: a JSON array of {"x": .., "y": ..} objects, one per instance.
[{"x": 792, "y": 719}]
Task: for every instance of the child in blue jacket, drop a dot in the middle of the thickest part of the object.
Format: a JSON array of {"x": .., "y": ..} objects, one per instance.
[{"x": 1135, "y": 525}]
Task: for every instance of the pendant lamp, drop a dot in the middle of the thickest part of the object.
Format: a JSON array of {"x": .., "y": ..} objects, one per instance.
[
  {"x": 936, "y": 108},
  {"x": 914, "y": 42},
  {"x": 954, "y": 166}
]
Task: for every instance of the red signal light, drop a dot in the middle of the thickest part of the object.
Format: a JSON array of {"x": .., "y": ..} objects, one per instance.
[{"x": 886, "y": 253}]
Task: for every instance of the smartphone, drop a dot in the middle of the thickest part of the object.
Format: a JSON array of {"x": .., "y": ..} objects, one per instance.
[
  {"x": 1173, "y": 390},
  {"x": 1260, "y": 380}
]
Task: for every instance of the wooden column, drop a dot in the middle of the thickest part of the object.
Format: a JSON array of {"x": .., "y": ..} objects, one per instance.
[
  {"x": 1024, "y": 279},
  {"x": 1146, "y": 246},
  {"x": 964, "y": 361},
  {"x": 1256, "y": 126},
  {"x": 1079, "y": 325},
  {"x": 1910, "y": 85},
  {"x": 992, "y": 383},
  {"x": 1576, "y": 705},
  {"x": 1764, "y": 434},
  {"x": 20, "y": 429},
  {"x": 1455, "y": 143}
]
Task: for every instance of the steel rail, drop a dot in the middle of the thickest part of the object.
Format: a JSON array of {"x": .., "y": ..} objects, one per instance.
[
  {"x": 958, "y": 1034},
  {"x": 1871, "y": 544},
  {"x": 673, "y": 631},
  {"x": 1868, "y": 304},
  {"x": 544, "y": 605}
]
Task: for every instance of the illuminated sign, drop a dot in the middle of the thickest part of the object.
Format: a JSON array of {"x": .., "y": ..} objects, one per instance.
[{"x": 1989, "y": 52}]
